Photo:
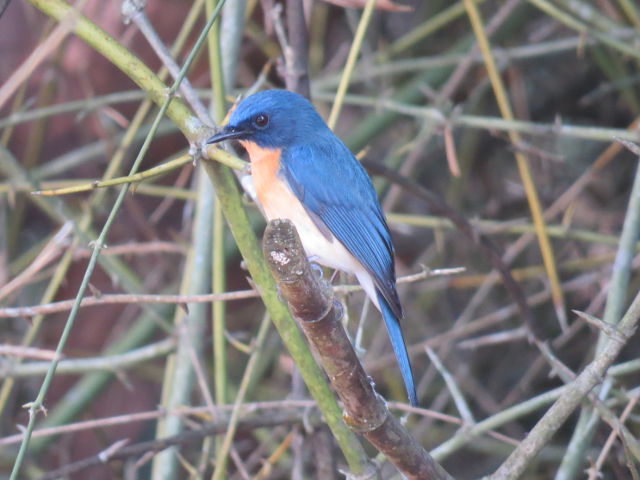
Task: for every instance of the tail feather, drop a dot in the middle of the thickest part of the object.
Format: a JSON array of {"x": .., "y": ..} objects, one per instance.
[{"x": 399, "y": 348}]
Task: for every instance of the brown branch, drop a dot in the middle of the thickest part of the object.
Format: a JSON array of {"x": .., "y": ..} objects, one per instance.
[
  {"x": 155, "y": 446},
  {"x": 293, "y": 66},
  {"x": 198, "y": 411},
  {"x": 311, "y": 302},
  {"x": 125, "y": 298},
  {"x": 64, "y": 305},
  {"x": 297, "y": 64},
  {"x": 136, "y": 248}
]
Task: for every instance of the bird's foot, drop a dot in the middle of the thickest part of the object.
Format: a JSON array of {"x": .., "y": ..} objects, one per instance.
[{"x": 315, "y": 266}]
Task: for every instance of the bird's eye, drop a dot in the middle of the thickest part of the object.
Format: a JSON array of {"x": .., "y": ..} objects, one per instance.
[{"x": 262, "y": 120}]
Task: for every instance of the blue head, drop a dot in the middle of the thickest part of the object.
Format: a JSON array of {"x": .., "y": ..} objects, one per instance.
[{"x": 273, "y": 119}]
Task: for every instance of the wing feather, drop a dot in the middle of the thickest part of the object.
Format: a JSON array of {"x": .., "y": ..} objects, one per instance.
[{"x": 335, "y": 189}]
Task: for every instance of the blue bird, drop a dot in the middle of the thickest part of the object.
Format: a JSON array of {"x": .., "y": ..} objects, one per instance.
[{"x": 303, "y": 172}]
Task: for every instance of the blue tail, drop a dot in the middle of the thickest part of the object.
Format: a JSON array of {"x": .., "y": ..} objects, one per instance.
[{"x": 399, "y": 348}]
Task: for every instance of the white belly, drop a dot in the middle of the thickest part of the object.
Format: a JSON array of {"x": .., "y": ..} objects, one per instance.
[
  {"x": 331, "y": 253},
  {"x": 278, "y": 201}
]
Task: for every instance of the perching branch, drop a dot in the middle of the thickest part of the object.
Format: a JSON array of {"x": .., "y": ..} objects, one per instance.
[
  {"x": 238, "y": 221},
  {"x": 311, "y": 302}
]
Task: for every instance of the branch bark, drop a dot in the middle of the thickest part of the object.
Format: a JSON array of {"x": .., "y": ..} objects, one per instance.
[{"x": 311, "y": 302}]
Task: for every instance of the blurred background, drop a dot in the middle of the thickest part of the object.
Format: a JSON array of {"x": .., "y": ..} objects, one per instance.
[{"x": 420, "y": 102}]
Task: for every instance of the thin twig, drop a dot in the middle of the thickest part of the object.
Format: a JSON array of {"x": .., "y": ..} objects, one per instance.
[
  {"x": 37, "y": 404},
  {"x": 82, "y": 365},
  {"x": 437, "y": 204},
  {"x": 616, "y": 299},
  {"x": 39, "y": 54},
  {"x": 297, "y": 67},
  {"x": 110, "y": 299},
  {"x": 133, "y": 11},
  {"x": 595, "y": 471},
  {"x": 524, "y": 167},
  {"x": 591, "y": 376},
  {"x": 452, "y": 385},
  {"x": 217, "y": 428},
  {"x": 49, "y": 253}
]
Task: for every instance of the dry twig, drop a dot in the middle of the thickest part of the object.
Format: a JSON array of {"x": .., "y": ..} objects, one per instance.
[{"x": 311, "y": 302}]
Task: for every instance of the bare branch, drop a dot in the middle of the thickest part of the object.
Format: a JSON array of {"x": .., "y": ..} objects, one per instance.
[
  {"x": 311, "y": 302},
  {"x": 217, "y": 428}
]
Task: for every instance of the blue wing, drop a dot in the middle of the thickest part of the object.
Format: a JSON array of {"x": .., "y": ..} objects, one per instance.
[
  {"x": 338, "y": 193},
  {"x": 334, "y": 188}
]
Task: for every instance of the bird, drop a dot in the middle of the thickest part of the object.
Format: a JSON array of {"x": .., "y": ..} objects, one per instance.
[{"x": 304, "y": 173}]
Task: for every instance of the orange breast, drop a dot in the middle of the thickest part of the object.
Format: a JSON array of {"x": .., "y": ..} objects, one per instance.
[
  {"x": 274, "y": 195},
  {"x": 278, "y": 201}
]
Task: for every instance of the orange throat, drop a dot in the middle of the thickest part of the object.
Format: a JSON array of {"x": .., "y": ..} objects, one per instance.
[{"x": 265, "y": 164}]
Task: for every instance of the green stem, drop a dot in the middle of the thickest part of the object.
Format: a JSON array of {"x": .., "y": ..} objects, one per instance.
[
  {"x": 122, "y": 58},
  {"x": 614, "y": 309},
  {"x": 572, "y": 22},
  {"x": 219, "y": 265},
  {"x": 179, "y": 376},
  {"x": 231, "y": 201},
  {"x": 256, "y": 354},
  {"x": 37, "y": 404},
  {"x": 115, "y": 52},
  {"x": 351, "y": 62}
]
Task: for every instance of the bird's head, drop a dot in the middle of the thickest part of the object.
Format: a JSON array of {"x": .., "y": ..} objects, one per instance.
[{"x": 273, "y": 119}]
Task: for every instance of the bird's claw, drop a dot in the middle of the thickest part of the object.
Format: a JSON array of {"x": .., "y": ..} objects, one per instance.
[{"x": 315, "y": 266}]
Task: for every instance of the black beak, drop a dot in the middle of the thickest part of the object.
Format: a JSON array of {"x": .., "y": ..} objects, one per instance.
[{"x": 228, "y": 133}]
